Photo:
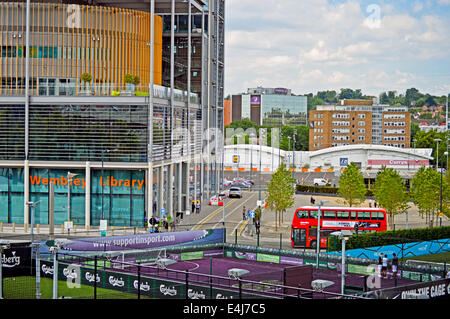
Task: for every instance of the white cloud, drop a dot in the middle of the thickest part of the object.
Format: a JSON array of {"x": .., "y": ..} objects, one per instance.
[{"x": 314, "y": 45}]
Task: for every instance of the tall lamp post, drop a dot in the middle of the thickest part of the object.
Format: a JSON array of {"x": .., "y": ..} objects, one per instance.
[
  {"x": 437, "y": 140},
  {"x": 318, "y": 232},
  {"x": 293, "y": 153},
  {"x": 70, "y": 176},
  {"x": 344, "y": 235}
]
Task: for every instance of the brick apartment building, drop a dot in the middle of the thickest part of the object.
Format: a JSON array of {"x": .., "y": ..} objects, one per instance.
[{"x": 358, "y": 122}]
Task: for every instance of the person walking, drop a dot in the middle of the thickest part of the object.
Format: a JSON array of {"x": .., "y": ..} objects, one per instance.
[
  {"x": 384, "y": 266},
  {"x": 193, "y": 206},
  {"x": 243, "y": 213},
  {"x": 394, "y": 266},
  {"x": 197, "y": 207},
  {"x": 380, "y": 264},
  {"x": 370, "y": 203}
]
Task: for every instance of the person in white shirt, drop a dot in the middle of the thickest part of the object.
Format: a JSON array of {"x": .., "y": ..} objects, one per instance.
[{"x": 384, "y": 266}]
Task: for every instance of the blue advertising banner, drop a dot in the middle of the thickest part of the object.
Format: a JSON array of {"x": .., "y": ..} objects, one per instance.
[
  {"x": 142, "y": 241},
  {"x": 401, "y": 250}
]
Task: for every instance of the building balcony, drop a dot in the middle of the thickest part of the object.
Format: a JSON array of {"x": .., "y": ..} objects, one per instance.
[{"x": 57, "y": 88}]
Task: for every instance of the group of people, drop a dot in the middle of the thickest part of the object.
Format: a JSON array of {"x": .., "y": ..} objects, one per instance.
[
  {"x": 374, "y": 204},
  {"x": 383, "y": 264},
  {"x": 196, "y": 206},
  {"x": 256, "y": 222}
]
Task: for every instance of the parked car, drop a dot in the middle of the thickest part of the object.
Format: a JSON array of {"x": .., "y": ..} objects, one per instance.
[
  {"x": 235, "y": 192},
  {"x": 320, "y": 182},
  {"x": 242, "y": 185}
]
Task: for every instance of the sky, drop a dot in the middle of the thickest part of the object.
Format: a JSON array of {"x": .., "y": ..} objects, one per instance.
[{"x": 316, "y": 45}]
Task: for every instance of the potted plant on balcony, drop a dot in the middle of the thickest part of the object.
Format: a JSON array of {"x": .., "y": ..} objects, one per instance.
[
  {"x": 130, "y": 80},
  {"x": 85, "y": 78}
]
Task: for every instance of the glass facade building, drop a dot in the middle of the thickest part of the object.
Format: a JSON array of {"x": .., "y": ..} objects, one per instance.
[
  {"x": 136, "y": 148},
  {"x": 270, "y": 109}
]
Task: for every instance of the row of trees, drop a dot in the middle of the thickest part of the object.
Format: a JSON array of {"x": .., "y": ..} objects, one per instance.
[
  {"x": 287, "y": 134},
  {"x": 391, "y": 194},
  {"x": 411, "y": 97}
]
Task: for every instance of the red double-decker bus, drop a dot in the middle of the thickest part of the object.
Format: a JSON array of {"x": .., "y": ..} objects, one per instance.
[{"x": 304, "y": 223}]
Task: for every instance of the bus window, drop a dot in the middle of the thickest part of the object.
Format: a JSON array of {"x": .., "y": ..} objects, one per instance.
[
  {"x": 342, "y": 215},
  {"x": 363, "y": 215},
  {"x": 302, "y": 214},
  {"x": 377, "y": 215},
  {"x": 313, "y": 214},
  {"x": 352, "y": 215},
  {"x": 330, "y": 214}
]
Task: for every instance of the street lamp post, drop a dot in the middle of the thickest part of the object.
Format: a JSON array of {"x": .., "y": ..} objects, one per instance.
[
  {"x": 70, "y": 176},
  {"x": 437, "y": 140},
  {"x": 293, "y": 153},
  {"x": 32, "y": 205},
  {"x": 318, "y": 232}
]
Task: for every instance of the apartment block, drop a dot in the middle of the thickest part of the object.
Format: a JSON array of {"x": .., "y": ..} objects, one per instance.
[{"x": 358, "y": 122}]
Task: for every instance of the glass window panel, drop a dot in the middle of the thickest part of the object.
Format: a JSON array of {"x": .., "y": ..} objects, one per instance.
[
  {"x": 41, "y": 209},
  {"x": 302, "y": 214},
  {"x": 363, "y": 215},
  {"x": 342, "y": 215},
  {"x": 4, "y": 205},
  {"x": 329, "y": 214},
  {"x": 120, "y": 210},
  {"x": 137, "y": 211},
  {"x": 312, "y": 214},
  {"x": 77, "y": 208},
  {"x": 16, "y": 208},
  {"x": 352, "y": 215}
]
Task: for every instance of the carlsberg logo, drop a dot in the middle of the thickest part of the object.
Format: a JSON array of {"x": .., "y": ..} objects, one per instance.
[{"x": 10, "y": 262}]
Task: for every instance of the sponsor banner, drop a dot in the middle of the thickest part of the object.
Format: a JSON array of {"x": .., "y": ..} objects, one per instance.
[
  {"x": 361, "y": 269},
  {"x": 143, "y": 241},
  {"x": 432, "y": 290},
  {"x": 167, "y": 290},
  {"x": 17, "y": 261},
  {"x": 375, "y": 162},
  {"x": 291, "y": 261},
  {"x": 268, "y": 258},
  {"x": 192, "y": 255}
]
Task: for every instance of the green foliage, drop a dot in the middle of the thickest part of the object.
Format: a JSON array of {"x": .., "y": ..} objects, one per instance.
[
  {"x": 426, "y": 192},
  {"x": 392, "y": 237},
  {"x": 128, "y": 78},
  {"x": 390, "y": 192},
  {"x": 139, "y": 93},
  {"x": 86, "y": 77},
  {"x": 351, "y": 186},
  {"x": 280, "y": 193}
]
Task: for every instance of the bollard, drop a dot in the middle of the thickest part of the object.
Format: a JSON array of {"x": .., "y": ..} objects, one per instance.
[
  {"x": 25, "y": 228},
  {"x": 1, "y": 227},
  {"x": 37, "y": 228},
  {"x": 13, "y": 227}
]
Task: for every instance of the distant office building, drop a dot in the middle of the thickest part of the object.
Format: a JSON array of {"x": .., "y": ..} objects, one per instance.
[
  {"x": 358, "y": 122},
  {"x": 270, "y": 106}
]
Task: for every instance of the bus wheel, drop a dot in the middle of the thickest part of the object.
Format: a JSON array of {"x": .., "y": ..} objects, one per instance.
[{"x": 313, "y": 244}]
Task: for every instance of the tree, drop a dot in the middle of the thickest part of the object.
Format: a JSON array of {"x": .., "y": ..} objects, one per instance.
[
  {"x": 390, "y": 193},
  {"x": 351, "y": 185},
  {"x": 280, "y": 193},
  {"x": 426, "y": 192}
]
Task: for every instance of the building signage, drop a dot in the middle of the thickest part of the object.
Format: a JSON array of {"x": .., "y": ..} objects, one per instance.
[
  {"x": 283, "y": 91},
  {"x": 398, "y": 162},
  {"x": 343, "y": 161},
  {"x": 110, "y": 181},
  {"x": 335, "y": 223},
  {"x": 432, "y": 289},
  {"x": 255, "y": 100}
]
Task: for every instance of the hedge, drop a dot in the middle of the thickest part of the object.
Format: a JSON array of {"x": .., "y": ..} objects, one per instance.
[
  {"x": 391, "y": 237},
  {"x": 322, "y": 189}
]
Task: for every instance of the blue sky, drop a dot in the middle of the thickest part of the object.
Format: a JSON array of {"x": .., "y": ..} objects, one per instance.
[{"x": 314, "y": 45}]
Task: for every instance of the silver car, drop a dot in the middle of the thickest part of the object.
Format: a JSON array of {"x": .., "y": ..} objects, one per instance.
[{"x": 235, "y": 192}]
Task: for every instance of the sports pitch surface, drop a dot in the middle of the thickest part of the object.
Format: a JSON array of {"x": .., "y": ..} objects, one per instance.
[{"x": 215, "y": 271}]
